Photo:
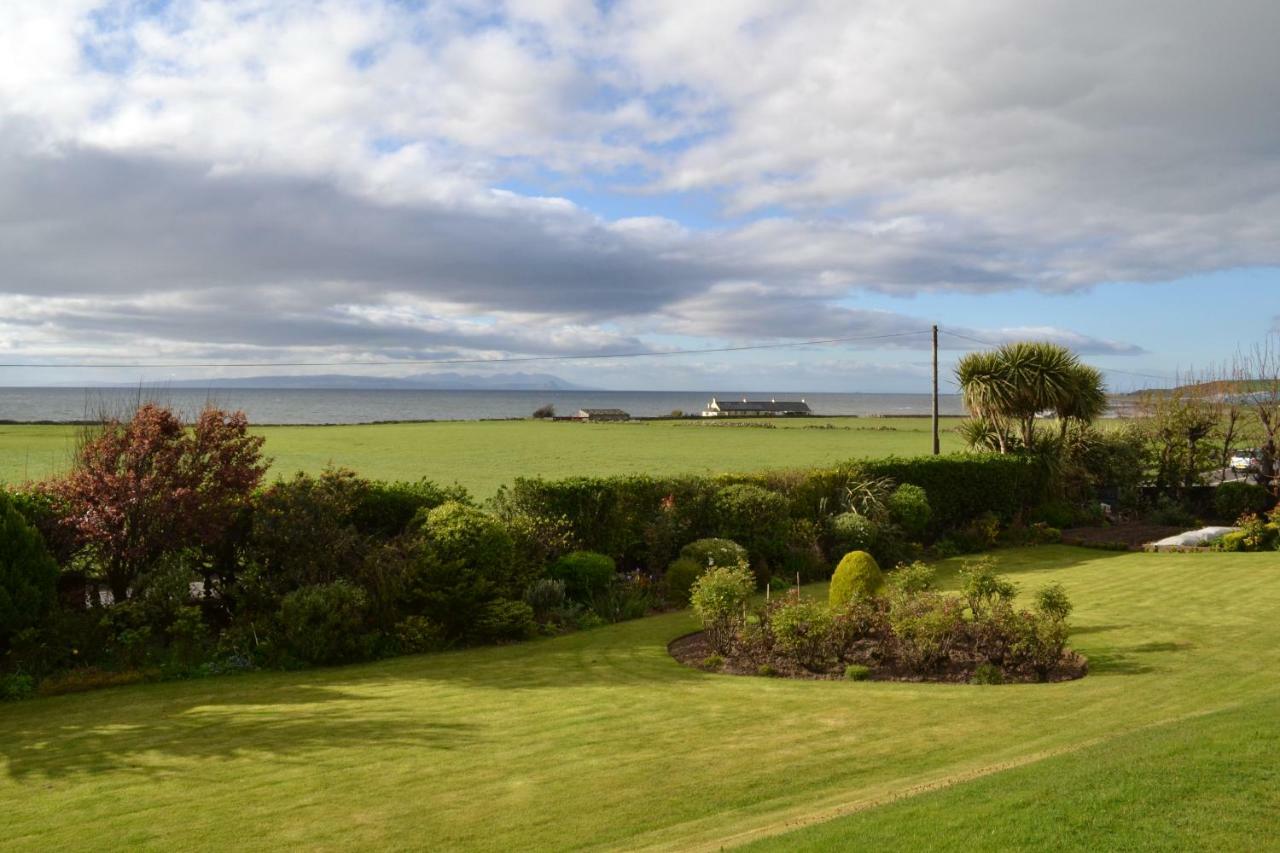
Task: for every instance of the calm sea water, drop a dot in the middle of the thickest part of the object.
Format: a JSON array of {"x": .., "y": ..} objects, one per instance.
[{"x": 316, "y": 406}]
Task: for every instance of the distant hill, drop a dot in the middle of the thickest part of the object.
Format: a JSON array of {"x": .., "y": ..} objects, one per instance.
[{"x": 346, "y": 382}]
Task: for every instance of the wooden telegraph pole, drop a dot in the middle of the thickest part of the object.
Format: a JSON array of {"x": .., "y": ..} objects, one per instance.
[{"x": 937, "y": 444}]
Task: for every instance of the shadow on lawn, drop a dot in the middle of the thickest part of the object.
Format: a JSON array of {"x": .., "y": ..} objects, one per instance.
[{"x": 146, "y": 736}]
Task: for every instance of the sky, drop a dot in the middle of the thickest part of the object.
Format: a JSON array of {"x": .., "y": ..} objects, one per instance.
[{"x": 258, "y": 185}]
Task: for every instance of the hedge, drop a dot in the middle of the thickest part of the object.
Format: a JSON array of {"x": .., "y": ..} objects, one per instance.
[{"x": 618, "y": 515}]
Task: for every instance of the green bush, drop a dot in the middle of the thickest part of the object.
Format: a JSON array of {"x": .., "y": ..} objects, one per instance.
[
  {"x": 857, "y": 672},
  {"x": 912, "y": 579},
  {"x": 908, "y": 506},
  {"x": 629, "y": 596},
  {"x": 851, "y": 531},
  {"x": 857, "y": 576},
  {"x": 504, "y": 619},
  {"x": 803, "y": 553},
  {"x": 680, "y": 578},
  {"x": 545, "y": 596},
  {"x": 987, "y": 673},
  {"x": 1233, "y": 541},
  {"x": 324, "y": 623},
  {"x": 464, "y": 560},
  {"x": 386, "y": 509},
  {"x": 719, "y": 599},
  {"x": 714, "y": 552},
  {"x": 585, "y": 574},
  {"x": 302, "y": 531},
  {"x": 16, "y": 686},
  {"x": 418, "y": 634},
  {"x": 1232, "y": 501},
  {"x": 28, "y": 575},
  {"x": 983, "y": 589},
  {"x": 800, "y": 629},
  {"x": 926, "y": 627},
  {"x": 752, "y": 516}
]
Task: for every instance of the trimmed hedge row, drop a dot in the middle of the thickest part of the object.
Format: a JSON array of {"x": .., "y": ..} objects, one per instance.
[{"x": 635, "y": 519}]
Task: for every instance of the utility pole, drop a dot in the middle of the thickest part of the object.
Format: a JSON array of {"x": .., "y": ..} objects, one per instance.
[{"x": 937, "y": 444}]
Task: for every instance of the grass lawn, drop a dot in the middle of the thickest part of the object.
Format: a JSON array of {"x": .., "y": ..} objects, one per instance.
[
  {"x": 600, "y": 741},
  {"x": 483, "y": 455}
]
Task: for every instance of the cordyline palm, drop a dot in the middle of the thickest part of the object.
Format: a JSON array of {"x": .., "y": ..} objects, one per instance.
[{"x": 1005, "y": 389}]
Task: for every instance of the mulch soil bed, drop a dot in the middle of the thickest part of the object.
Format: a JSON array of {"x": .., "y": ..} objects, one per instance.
[{"x": 692, "y": 650}]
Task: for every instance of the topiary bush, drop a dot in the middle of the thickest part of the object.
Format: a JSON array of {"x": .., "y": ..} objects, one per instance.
[
  {"x": 28, "y": 575},
  {"x": 1231, "y": 501},
  {"x": 681, "y": 575},
  {"x": 504, "y": 619},
  {"x": 908, "y": 506},
  {"x": 857, "y": 576},
  {"x": 851, "y": 531},
  {"x": 585, "y": 574},
  {"x": 720, "y": 598},
  {"x": 324, "y": 623}
]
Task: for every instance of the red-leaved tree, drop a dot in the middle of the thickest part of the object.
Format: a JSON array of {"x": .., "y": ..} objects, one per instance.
[{"x": 154, "y": 485}]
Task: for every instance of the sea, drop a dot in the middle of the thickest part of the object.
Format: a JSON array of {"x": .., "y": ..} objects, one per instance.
[{"x": 338, "y": 406}]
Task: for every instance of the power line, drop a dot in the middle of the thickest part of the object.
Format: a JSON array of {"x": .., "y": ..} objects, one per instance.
[
  {"x": 1108, "y": 369},
  {"x": 442, "y": 361}
]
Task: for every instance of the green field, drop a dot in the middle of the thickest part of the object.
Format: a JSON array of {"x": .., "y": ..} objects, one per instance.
[
  {"x": 483, "y": 455},
  {"x": 599, "y": 740}
]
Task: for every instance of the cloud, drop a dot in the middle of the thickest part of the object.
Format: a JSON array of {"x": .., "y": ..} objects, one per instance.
[{"x": 336, "y": 178}]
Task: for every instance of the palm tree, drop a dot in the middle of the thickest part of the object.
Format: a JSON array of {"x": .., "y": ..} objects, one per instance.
[{"x": 1006, "y": 389}]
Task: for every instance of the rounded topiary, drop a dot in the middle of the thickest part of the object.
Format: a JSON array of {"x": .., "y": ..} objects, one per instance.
[
  {"x": 909, "y": 507},
  {"x": 857, "y": 576},
  {"x": 28, "y": 575},
  {"x": 585, "y": 574},
  {"x": 852, "y": 531},
  {"x": 714, "y": 552},
  {"x": 681, "y": 575}
]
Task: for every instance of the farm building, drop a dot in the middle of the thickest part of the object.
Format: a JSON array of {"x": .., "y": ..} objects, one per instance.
[
  {"x": 745, "y": 408},
  {"x": 601, "y": 415}
]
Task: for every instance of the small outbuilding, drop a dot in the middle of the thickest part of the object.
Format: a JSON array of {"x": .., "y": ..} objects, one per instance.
[
  {"x": 745, "y": 408},
  {"x": 595, "y": 415}
]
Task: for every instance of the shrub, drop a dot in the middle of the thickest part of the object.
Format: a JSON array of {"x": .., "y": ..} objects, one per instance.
[
  {"x": 545, "y": 596},
  {"x": 302, "y": 531},
  {"x": 48, "y": 514},
  {"x": 16, "y": 686},
  {"x": 504, "y": 619},
  {"x": 324, "y": 623},
  {"x": 800, "y": 629},
  {"x": 417, "y": 634},
  {"x": 712, "y": 662},
  {"x": 857, "y": 672},
  {"x": 714, "y": 552},
  {"x": 851, "y": 531},
  {"x": 987, "y": 673},
  {"x": 1052, "y": 602},
  {"x": 680, "y": 577},
  {"x": 764, "y": 670},
  {"x": 629, "y": 596},
  {"x": 28, "y": 575},
  {"x": 752, "y": 516},
  {"x": 857, "y": 576},
  {"x": 925, "y": 628},
  {"x": 720, "y": 599},
  {"x": 908, "y": 505},
  {"x": 543, "y": 412},
  {"x": 1234, "y": 541},
  {"x": 1234, "y": 500},
  {"x": 585, "y": 574},
  {"x": 983, "y": 589},
  {"x": 464, "y": 560},
  {"x": 386, "y": 509},
  {"x": 803, "y": 555},
  {"x": 155, "y": 485},
  {"x": 912, "y": 579}
]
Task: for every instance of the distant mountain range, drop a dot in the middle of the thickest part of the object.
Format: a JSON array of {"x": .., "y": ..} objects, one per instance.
[{"x": 345, "y": 382}]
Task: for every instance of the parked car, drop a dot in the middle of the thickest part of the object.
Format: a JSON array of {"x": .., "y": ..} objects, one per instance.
[{"x": 1246, "y": 461}]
